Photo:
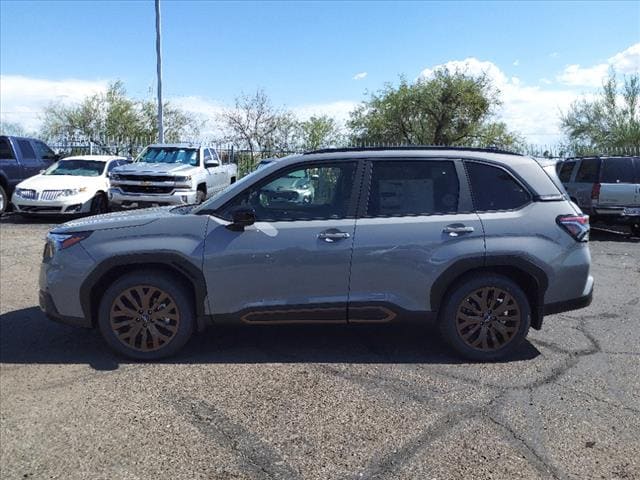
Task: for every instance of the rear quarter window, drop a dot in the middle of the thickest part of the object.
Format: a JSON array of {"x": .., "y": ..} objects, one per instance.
[
  {"x": 495, "y": 189},
  {"x": 6, "y": 153},
  {"x": 589, "y": 171},
  {"x": 620, "y": 170},
  {"x": 565, "y": 171}
]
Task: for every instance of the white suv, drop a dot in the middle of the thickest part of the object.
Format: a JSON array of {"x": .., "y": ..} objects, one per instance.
[{"x": 171, "y": 174}]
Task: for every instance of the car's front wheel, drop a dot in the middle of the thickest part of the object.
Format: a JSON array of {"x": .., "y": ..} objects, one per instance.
[
  {"x": 146, "y": 316},
  {"x": 485, "y": 317},
  {"x": 99, "y": 204}
]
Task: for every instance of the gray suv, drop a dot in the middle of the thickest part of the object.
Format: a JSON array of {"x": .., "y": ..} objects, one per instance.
[{"x": 481, "y": 241}]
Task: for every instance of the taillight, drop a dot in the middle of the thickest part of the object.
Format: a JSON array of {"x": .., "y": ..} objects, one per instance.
[
  {"x": 595, "y": 192},
  {"x": 575, "y": 225}
]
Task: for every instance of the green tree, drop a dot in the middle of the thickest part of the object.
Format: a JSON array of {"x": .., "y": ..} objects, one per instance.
[
  {"x": 450, "y": 108},
  {"x": 319, "y": 132},
  {"x": 113, "y": 115},
  {"x": 608, "y": 122}
]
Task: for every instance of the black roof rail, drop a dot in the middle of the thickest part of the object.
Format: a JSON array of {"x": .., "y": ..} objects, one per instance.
[{"x": 411, "y": 147}]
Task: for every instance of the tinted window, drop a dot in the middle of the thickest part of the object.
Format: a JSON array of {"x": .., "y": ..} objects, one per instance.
[
  {"x": 495, "y": 189},
  {"x": 26, "y": 149},
  {"x": 413, "y": 188},
  {"x": 5, "y": 149},
  {"x": 565, "y": 171},
  {"x": 620, "y": 170},
  {"x": 44, "y": 152},
  {"x": 310, "y": 193},
  {"x": 588, "y": 171},
  {"x": 207, "y": 155}
]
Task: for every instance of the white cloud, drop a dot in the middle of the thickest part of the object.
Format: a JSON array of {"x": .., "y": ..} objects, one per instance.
[
  {"x": 22, "y": 99},
  {"x": 516, "y": 63},
  {"x": 360, "y": 76},
  {"x": 625, "y": 62},
  {"x": 530, "y": 110}
]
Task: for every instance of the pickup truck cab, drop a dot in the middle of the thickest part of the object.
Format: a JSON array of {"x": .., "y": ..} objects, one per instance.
[
  {"x": 20, "y": 158},
  {"x": 171, "y": 174}
]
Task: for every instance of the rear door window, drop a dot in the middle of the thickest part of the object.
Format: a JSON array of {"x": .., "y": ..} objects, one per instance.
[
  {"x": 403, "y": 188},
  {"x": 27, "y": 150},
  {"x": 495, "y": 189},
  {"x": 589, "y": 171},
  {"x": 620, "y": 170},
  {"x": 565, "y": 171}
]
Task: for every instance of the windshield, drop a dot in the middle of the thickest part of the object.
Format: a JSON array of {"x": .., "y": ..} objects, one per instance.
[
  {"x": 77, "y": 168},
  {"x": 185, "y": 156}
]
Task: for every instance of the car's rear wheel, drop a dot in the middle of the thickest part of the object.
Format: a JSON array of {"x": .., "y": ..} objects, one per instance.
[
  {"x": 485, "y": 317},
  {"x": 4, "y": 200},
  {"x": 99, "y": 204},
  {"x": 146, "y": 316}
]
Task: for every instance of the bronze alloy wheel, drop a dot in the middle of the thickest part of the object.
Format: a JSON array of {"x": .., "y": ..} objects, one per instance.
[
  {"x": 144, "y": 318},
  {"x": 488, "y": 318}
]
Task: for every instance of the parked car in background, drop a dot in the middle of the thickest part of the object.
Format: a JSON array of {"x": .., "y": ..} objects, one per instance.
[
  {"x": 73, "y": 185},
  {"x": 20, "y": 158},
  {"x": 171, "y": 174},
  {"x": 480, "y": 241},
  {"x": 607, "y": 188}
]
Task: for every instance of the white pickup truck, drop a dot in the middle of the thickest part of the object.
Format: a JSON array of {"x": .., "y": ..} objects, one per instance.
[{"x": 170, "y": 174}]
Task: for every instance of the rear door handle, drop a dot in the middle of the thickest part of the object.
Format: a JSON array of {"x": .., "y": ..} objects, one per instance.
[
  {"x": 455, "y": 230},
  {"x": 331, "y": 236}
]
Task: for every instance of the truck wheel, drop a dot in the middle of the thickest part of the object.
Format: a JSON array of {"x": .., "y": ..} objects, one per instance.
[
  {"x": 200, "y": 197},
  {"x": 146, "y": 315},
  {"x": 4, "y": 200},
  {"x": 635, "y": 229},
  {"x": 485, "y": 317}
]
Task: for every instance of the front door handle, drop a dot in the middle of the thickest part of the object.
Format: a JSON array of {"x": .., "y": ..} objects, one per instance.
[
  {"x": 457, "y": 229},
  {"x": 331, "y": 236}
]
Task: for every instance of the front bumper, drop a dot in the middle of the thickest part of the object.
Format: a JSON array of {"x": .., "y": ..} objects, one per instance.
[
  {"x": 582, "y": 301},
  {"x": 176, "y": 197},
  {"x": 49, "y": 308},
  {"x": 67, "y": 206}
]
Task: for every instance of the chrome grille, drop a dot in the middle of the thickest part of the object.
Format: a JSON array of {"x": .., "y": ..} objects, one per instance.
[{"x": 50, "y": 194}]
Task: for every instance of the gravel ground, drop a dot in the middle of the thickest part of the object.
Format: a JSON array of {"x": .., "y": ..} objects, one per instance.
[{"x": 321, "y": 402}]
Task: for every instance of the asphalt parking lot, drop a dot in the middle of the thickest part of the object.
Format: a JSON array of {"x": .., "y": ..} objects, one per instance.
[{"x": 321, "y": 402}]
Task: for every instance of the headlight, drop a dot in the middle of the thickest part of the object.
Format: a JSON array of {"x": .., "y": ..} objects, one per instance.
[
  {"x": 72, "y": 191},
  {"x": 60, "y": 241},
  {"x": 182, "y": 179},
  {"x": 20, "y": 192},
  {"x": 114, "y": 176}
]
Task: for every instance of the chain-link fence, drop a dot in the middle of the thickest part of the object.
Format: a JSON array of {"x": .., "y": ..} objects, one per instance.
[{"x": 247, "y": 160}]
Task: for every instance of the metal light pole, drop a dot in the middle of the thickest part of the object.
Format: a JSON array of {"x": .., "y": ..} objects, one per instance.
[{"x": 159, "y": 65}]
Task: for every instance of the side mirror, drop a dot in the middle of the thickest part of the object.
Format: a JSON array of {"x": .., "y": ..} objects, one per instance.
[
  {"x": 211, "y": 164},
  {"x": 241, "y": 218}
]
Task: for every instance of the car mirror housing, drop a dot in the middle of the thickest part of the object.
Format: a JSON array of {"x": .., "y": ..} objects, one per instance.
[
  {"x": 211, "y": 164},
  {"x": 241, "y": 218}
]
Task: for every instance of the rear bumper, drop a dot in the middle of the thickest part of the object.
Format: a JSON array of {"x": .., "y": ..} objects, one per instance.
[
  {"x": 49, "y": 308},
  {"x": 573, "y": 303},
  {"x": 615, "y": 214}
]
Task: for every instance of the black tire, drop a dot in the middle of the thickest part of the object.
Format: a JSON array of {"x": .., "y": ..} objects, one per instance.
[
  {"x": 99, "y": 204},
  {"x": 178, "y": 297},
  {"x": 635, "y": 229},
  {"x": 233, "y": 180},
  {"x": 200, "y": 197},
  {"x": 4, "y": 200},
  {"x": 453, "y": 327}
]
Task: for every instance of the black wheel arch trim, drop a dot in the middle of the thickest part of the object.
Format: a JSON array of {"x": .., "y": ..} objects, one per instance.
[
  {"x": 453, "y": 272},
  {"x": 167, "y": 259}
]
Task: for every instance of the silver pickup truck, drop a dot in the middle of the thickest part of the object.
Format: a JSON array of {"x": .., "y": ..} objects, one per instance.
[
  {"x": 607, "y": 188},
  {"x": 171, "y": 174}
]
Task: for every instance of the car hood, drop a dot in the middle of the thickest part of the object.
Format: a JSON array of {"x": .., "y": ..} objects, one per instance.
[
  {"x": 60, "y": 182},
  {"x": 156, "y": 169},
  {"x": 131, "y": 218}
]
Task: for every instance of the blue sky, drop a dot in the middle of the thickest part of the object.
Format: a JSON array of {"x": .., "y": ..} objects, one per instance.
[{"x": 306, "y": 54}]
